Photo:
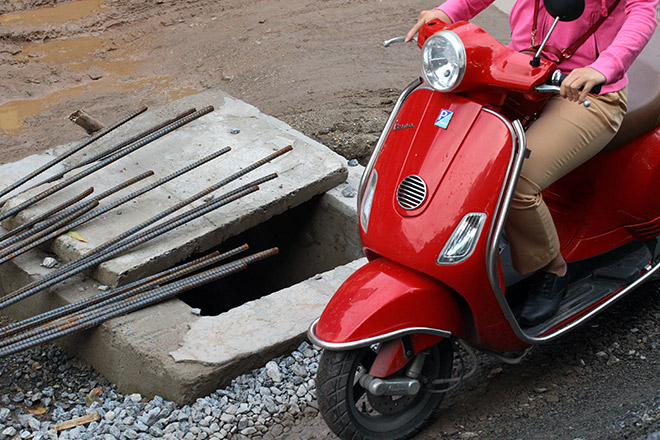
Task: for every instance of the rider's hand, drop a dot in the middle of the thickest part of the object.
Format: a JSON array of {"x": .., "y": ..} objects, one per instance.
[
  {"x": 425, "y": 17},
  {"x": 585, "y": 77}
]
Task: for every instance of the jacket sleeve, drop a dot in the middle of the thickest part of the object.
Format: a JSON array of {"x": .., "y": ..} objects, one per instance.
[
  {"x": 637, "y": 29},
  {"x": 459, "y": 10}
]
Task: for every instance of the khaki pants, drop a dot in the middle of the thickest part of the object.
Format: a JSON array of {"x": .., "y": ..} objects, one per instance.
[{"x": 564, "y": 136}]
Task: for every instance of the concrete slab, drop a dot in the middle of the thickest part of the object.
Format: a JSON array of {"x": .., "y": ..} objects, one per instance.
[
  {"x": 308, "y": 170},
  {"x": 139, "y": 353}
]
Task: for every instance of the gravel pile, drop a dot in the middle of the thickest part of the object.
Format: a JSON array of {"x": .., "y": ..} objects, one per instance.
[{"x": 42, "y": 389}]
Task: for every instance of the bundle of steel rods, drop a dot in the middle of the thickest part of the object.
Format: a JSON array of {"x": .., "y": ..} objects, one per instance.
[
  {"x": 95, "y": 310},
  {"x": 133, "y": 237},
  {"x": 80, "y": 209}
]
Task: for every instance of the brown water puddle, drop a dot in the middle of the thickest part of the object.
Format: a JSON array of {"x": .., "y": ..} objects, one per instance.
[
  {"x": 79, "y": 53},
  {"x": 14, "y": 113},
  {"x": 109, "y": 68},
  {"x": 58, "y": 14}
]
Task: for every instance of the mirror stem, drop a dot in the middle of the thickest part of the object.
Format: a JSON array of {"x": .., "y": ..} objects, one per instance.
[{"x": 536, "y": 61}]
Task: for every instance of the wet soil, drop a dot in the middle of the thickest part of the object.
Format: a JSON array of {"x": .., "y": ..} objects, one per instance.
[{"x": 311, "y": 64}]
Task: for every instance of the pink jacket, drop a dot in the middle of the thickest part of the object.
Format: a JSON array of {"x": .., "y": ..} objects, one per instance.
[{"x": 611, "y": 50}]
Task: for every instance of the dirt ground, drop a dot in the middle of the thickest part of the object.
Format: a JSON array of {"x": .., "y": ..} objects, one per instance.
[{"x": 319, "y": 66}]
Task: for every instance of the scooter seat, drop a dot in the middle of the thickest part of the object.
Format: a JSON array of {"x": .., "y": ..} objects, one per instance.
[{"x": 643, "y": 96}]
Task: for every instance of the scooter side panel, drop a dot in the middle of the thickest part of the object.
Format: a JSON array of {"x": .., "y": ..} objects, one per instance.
[
  {"x": 383, "y": 297},
  {"x": 609, "y": 200}
]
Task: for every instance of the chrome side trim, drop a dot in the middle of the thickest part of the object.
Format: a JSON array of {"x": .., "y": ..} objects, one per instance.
[
  {"x": 388, "y": 126},
  {"x": 311, "y": 335},
  {"x": 600, "y": 308},
  {"x": 508, "y": 187}
]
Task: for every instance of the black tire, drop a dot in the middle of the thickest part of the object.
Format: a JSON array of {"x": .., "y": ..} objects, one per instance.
[{"x": 350, "y": 411}]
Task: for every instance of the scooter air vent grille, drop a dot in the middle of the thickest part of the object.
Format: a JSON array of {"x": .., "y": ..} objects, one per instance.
[{"x": 411, "y": 192}]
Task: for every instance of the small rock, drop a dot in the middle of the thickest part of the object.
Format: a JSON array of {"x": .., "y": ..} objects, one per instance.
[
  {"x": 10, "y": 431},
  {"x": 103, "y": 288},
  {"x": 353, "y": 163},
  {"x": 249, "y": 431},
  {"x": 49, "y": 262},
  {"x": 349, "y": 192},
  {"x": 196, "y": 311},
  {"x": 234, "y": 131},
  {"x": 552, "y": 398},
  {"x": 273, "y": 371}
]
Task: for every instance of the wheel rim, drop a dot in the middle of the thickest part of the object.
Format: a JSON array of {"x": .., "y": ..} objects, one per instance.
[{"x": 388, "y": 413}]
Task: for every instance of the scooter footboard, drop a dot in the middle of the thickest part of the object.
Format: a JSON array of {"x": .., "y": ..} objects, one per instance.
[{"x": 383, "y": 301}]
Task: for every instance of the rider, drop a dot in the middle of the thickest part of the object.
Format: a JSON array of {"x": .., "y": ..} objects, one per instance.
[{"x": 566, "y": 134}]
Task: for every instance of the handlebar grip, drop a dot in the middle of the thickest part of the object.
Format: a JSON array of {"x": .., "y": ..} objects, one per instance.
[{"x": 557, "y": 79}]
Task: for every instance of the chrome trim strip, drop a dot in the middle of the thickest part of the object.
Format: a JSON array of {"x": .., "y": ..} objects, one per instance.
[
  {"x": 509, "y": 186},
  {"x": 596, "y": 310},
  {"x": 311, "y": 335},
  {"x": 388, "y": 126}
]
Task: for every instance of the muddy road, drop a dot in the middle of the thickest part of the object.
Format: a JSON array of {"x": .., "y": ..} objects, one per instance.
[{"x": 319, "y": 66}]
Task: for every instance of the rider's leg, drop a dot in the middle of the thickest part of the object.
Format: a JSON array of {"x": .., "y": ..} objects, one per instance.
[{"x": 562, "y": 138}]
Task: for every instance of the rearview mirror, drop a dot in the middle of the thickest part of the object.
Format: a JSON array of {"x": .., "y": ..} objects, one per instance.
[{"x": 564, "y": 10}]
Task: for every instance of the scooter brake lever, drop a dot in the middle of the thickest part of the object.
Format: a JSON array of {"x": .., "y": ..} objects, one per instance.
[
  {"x": 387, "y": 43},
  {"x": 547, "y": 88}
]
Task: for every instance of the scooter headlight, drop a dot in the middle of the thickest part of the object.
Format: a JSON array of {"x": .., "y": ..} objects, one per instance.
[
  {"x": 443, "y": 61},
  {"x": 368, "y": 199},
  {"x": 463, "y": 240}
]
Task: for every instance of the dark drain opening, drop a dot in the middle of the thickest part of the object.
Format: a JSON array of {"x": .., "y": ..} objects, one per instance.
[{"x": 312, "y": 238}]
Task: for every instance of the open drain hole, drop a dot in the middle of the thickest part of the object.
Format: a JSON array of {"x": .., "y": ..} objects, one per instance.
[{"x": 312, "y": 238}]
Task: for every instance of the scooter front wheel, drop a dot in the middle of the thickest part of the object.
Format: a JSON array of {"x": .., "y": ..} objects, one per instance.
[{"x": 352, "y": 412}]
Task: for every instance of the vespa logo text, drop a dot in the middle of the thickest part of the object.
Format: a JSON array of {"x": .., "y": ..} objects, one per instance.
[{"x": 398, "y": 126}]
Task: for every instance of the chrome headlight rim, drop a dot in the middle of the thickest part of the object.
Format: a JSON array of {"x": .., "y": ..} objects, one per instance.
[{"x": 458, "y": 47}]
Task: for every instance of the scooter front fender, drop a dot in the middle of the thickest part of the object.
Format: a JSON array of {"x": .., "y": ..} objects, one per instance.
[{"x": 383, "y": 301}]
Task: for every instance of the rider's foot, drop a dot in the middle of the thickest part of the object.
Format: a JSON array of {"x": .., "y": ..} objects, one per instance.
[{"x": 545, "y": 294}]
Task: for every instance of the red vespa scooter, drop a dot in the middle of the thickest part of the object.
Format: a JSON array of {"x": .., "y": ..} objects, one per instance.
[{"x": 432, "y": 206}]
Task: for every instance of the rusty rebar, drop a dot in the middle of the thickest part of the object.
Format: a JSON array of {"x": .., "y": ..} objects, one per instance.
[
  {"x": 65, "y": 273},
  {"x": 83, "y": 259},
  {"x": 186, "y": 202},
  {"x": 121, "y": 308},
  {"x": 92, "y": 317},
  {"x": 75, "y": 208},
  {"x": 118, "y": 293},
  {"x": 105, "y": 162},
  {"x": 121, "y": 145},
  {"x": 60, "y": 158},
  {"x": 30, "y": 223},
  {"x": 203, "y": 193},
  {"x": 92, "y": 215},
  {"x": 64, "y": 225}
]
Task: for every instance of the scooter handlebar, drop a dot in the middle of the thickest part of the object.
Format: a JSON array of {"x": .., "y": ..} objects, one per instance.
[
  {"x": 553, "y": 85},
  {"x": 557, "y": 78},
  {"x": 402, "y": 39}
]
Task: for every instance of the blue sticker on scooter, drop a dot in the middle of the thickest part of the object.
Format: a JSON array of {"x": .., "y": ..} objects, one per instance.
[{"x": 444, "y": 118}]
